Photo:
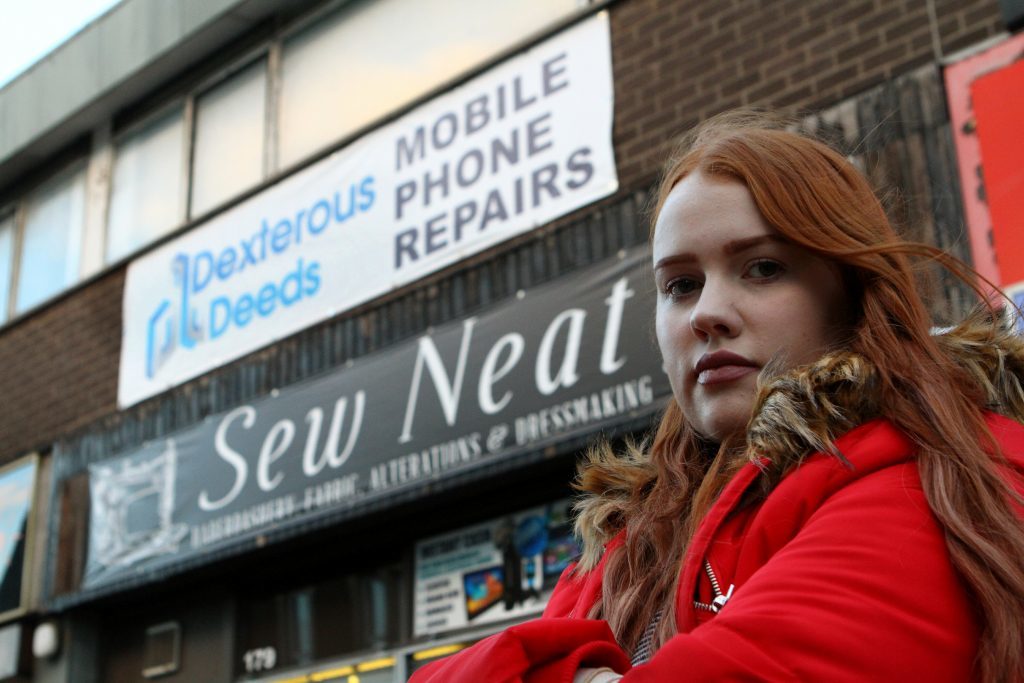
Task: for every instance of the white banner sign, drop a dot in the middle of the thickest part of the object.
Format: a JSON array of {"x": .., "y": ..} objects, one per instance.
[{"x": 516, "y": 147}]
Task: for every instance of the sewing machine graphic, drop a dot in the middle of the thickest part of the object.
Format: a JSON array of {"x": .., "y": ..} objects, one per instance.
[{"x": 132, "y": 509}]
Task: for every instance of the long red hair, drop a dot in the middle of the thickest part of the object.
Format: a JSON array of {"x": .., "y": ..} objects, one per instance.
[{"x": 815, "y": 198}]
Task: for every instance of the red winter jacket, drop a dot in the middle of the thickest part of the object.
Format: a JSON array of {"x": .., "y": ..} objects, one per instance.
[{"x": 839, "y": 574}]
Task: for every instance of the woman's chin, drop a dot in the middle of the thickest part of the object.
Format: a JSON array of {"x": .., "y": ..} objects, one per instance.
[{"x": 722, "y": 417}]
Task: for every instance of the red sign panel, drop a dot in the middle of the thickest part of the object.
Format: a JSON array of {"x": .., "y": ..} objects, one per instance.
[
  {"x": 994, "y": 248},
  {"x": 999, "y": 107}
]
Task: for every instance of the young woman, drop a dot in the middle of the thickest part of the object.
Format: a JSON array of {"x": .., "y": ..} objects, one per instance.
[{"x": 835, "y": 492}]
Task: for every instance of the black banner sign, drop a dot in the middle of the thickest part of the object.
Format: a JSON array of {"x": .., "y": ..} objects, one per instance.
[{"x": 561, "y": 360}]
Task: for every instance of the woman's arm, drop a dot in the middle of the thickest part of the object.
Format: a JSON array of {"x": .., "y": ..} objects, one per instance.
[{"x": 546, "y": 650}]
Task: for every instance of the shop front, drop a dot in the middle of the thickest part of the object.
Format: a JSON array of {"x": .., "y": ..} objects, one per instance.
[
  {"x": 411, "y": 500},
  {"x": 295, "y": 492}
]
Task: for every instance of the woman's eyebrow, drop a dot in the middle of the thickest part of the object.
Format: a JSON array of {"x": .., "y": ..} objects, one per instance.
[
  {"x": 736, "y": 246},
  {"x": 685, "y": 257},
  {"x": 730, "y": 248}
]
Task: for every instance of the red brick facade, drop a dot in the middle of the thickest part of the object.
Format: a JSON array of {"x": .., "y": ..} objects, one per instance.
[{"x": 679, "y": 61}]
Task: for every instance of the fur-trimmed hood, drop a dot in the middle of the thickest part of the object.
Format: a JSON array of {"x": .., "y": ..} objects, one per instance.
[{"x": 803, "y": 411}]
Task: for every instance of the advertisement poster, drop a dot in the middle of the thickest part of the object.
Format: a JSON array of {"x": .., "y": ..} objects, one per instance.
[
  {"x": 526, "y": 142},
  {"x": 559, "y": 361},
  {"x": 498, "y": 570},
  {"x": 17, "y": 482}
]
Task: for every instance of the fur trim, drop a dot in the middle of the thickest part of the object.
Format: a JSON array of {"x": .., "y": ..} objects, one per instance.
[
  {"x": 991, "y": 350},
  {"x": 803, "y": 411},
  {"x": 610, "y": 480}
]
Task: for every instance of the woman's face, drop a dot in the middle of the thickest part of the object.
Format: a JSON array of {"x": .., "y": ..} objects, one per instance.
[{"x": 733, "y": 295}]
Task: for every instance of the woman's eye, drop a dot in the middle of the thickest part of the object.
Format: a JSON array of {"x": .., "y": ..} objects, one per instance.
[
  {"x": 680, "y": 287},
  {"x": 765, "y": 270}
]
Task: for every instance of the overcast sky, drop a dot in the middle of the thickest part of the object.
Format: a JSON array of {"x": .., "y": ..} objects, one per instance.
[{"x": 29, "y": 29}]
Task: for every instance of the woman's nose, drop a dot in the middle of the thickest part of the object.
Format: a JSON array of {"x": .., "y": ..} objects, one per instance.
[{"x": 715, "y": 314}]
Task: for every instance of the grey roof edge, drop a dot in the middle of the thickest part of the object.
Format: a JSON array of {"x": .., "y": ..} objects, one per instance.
[{"x": 113, "y": 62}]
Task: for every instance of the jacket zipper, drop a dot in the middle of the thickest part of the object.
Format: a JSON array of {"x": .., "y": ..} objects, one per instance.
[{"x": 720, "y": 598}]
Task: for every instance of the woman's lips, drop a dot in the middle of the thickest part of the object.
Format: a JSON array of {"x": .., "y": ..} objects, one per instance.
[
  {"x": 723, "y": 366},
  {"x": 724, "y": 373}
]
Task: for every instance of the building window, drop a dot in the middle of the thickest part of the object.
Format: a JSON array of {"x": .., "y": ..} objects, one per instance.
[
  {"x": 337, "y": 74},
  {"x": 370, "y": 58},
  {"x": 147, "y": 189},
  {"x": 6, "y": 264},
  {"x": 230, "y": 134},
  {"x": 51, "y": 245},
  {"x": 359, "y": 612}
]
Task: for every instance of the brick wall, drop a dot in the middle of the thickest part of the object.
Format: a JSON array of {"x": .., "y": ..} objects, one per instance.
[
  {"x": 58, "y": 368},
  {"x": 679, "y": 61},
  {"x": 676, "y": 61}
]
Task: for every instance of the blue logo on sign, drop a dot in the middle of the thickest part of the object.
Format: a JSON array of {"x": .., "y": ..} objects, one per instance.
[{"x": 178, "y": 322}]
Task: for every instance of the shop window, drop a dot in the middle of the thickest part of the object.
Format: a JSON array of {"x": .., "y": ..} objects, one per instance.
[
  {"x": 51, "y": 245},
  {"x": 17, "y": 484},
  {"x": 359, "y": 612},
  {"x": 373, "y": 57},
  {"x": 162, "y": 650},
  {"x": 146, "y": 197},
  {"x": 6, "y": 263},
  {"x": 230, "y": 132}
]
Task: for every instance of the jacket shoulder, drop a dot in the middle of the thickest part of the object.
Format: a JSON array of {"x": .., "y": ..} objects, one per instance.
[{"x": 577, "y": 591}]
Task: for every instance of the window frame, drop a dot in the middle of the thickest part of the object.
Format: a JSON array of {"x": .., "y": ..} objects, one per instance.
[
  {"x": 184, "y": 103},
  {"x": 583, "y": 10},
  {"x": 19, "y": 210},
  {"x": 264, "y": 54}
]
